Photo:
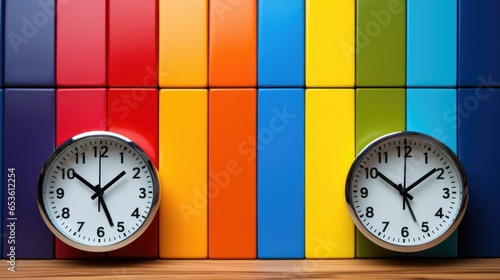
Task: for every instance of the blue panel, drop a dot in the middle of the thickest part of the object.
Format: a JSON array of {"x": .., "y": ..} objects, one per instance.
[
  {"x": 478, "y": 43},
  {"x": 478, "y": 137},
  {"x": 280, "y": 173},
  {"x": 432, "y": 111},
  {"x": 280, "y": 43},
  {"x": 29, "y": 43},
  {"x": 431, "y": 43},
  {"x": 29, "y": 139},
  {"x": 1, "y": 50}
]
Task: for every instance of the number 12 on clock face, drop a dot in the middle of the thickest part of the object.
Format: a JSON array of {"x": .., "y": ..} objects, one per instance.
[
  {"x": 98, "y": 191},
  {"x": 406, "y": 191}
]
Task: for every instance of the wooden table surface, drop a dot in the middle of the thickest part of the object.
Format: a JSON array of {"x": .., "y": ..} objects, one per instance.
[{"x": 255, "y": 269}]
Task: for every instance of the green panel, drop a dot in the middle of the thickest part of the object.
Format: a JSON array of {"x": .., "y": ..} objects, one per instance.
[
  {"x": 381, "y": 43},
  {"x": 378, "y": 112}
]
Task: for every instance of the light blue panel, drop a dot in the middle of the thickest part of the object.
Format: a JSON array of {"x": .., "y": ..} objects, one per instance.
[
  {"x": 280, "y": 173},
  {"x": 29, "y": 52},
  {"x": 280, "y": 43},
  {"x": 431, "y": 43},
  {"x": 433, "y": 112}
]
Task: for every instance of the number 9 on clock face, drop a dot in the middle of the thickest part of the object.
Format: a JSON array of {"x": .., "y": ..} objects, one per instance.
[
  {"x": 98, "y": 191},
  {"x": 406, "y": 191}
]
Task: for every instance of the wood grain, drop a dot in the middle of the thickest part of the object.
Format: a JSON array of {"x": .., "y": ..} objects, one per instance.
[{"x": 255, "y": 269}]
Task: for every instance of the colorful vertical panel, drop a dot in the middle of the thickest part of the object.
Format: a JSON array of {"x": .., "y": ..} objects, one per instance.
[
  {"x": 81, "y": 43},
  {"x": 478, "y": 56},
  {"x": 133, "y": 113},
  {"x": 132, "y": 43},
  {"x": 29, "y": 139},
  {"x": 330, "y": 50},
  {"x": 78, "y": 111},
  {"x": 281, "y": 43},
  {"x": 183, "y": 59},
  {"x": 1, "y": 51},
  {"x": 478, "y": 135},
  {"x": 280, "y": 173},
  {"x": 29, "y": 43},
  {"x": 381, "y": 43},
  {"x": 6, "y": 183},
  {"x": 429, "y": 111},
  {"x": 232, "y": 43},
  {"x": 329, "y": 137},
  {"x": 183, "y": 173},
  {"x": 232, "y": 174},
  {"x": 431, "y": 43},
  {"x": 378, "y": 112}
]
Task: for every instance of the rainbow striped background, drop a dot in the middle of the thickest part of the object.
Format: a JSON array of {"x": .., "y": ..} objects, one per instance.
[{"x": 252, "y": 110}]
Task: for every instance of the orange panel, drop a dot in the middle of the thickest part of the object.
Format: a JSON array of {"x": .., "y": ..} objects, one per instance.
[
  {"x": 232, "y": 174},
  {"x": 233, "y": 43}
]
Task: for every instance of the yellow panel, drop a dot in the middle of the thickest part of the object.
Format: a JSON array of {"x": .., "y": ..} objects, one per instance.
[
  {"x": 329, "y": 154},
  {"x": 183, "y": 173},
  {"x": 330, "y": 48},
  {"x": 183, "y": 43}
]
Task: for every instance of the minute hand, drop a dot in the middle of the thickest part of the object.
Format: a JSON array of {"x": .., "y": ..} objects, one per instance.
[
  {"x": 427, "y": 175},
  {"x": 109, "y": 184}
]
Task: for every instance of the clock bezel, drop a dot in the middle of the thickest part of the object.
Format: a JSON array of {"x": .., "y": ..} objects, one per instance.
[
  {"x": 68, "y": 144},
  {"x": 391, "y": 137}
]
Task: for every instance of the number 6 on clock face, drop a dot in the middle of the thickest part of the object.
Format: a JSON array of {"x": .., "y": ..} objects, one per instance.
[
  {"x": 406, "y": 191},
  {"x": 98, "y": 191}
]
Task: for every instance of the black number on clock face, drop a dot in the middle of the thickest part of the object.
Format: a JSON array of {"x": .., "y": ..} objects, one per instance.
[
  {"x": 99, "y": 192},
  {"x": 137, "y": 170},
  {"x": 413, "y": 187}
]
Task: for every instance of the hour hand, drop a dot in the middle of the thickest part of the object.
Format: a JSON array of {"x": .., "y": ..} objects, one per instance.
[
  {"x": 399, "y": 188},
  {"x": 109, "y": 184},
  {"x": 85, "y": 182}
]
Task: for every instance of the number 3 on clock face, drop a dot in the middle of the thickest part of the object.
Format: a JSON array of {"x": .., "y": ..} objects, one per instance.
[
  {"x": 406, "y": 191},
  {"x": 98, "y": 191}
]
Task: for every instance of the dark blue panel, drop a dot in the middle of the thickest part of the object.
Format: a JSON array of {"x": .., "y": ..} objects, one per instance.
[
  {"x": 478, "y": 137},
  {"x": 478, "y": 43},
  {"x": 29, "y": 43},
  {"x": 280, "y": 43},
  {"x": 29, "y": 139},
  {"x": 280, "y": 173}
]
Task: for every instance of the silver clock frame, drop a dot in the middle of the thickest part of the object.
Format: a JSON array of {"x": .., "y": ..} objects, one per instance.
[
  {"x": 410, "y": 135},
  {"x": 98, "y": 135}
]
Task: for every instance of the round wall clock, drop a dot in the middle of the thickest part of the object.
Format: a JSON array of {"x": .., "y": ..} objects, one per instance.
[
  {"x": 406, "y": 191},
  {"x": 98, "y": 191}
]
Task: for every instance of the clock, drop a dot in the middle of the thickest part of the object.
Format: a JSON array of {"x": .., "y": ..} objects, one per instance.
[
  {"x": 98, "y": 191},
  {"x": 406, "y": 191}
]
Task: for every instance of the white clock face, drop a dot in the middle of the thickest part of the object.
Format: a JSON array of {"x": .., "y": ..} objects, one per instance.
[
  {"x": 406, "y": 192},
  {"x": 98, "y": 192}
]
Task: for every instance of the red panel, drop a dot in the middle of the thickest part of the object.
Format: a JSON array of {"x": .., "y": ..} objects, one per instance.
[
  {"x": 77, "y": 111},
  {"x": 81, "y": 43},
  {"x": 133, "y": 43},
  {"x": 133, "y": 113}
]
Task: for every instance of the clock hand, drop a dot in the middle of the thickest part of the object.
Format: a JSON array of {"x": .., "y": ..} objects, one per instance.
[
  {"x": 399, "y": 188},
  {"x": 99, "y": 204},
  {"x": 85, "y": 182},
  {"x": 110, "y": 184},
  {"x": 104, "y": 206},
  {"x": 427, "y": 175},
  {"x": 404, "y": 175},
  {"x": 405, "y": 198}
]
